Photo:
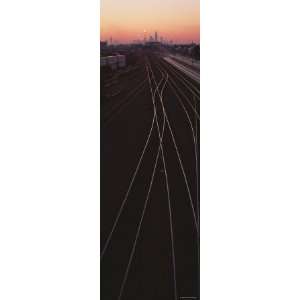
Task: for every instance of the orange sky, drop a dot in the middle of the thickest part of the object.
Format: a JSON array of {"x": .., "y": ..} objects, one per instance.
[{"x": 127, "y": 20}]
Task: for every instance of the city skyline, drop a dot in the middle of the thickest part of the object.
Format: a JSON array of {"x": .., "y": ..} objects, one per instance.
[
  {"x": 156, "y": 37},
  {"x": 176, "y": 20}
]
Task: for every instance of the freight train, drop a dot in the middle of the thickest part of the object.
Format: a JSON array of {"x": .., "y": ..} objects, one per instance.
[{"x": 114, "y": 62}]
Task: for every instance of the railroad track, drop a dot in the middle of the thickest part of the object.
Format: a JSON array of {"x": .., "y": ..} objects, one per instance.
[{"x": 162, "y": 139}]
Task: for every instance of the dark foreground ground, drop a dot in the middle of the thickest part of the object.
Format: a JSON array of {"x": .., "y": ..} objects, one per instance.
[{"x": 149, "y": 244}]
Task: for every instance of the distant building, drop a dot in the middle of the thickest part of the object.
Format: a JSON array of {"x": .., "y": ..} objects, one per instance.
[
  {"x": 137, "y": 42},
  {"x": 155, "y": 36},
  {"x": 152, "y": 44},
  {"x": 194, "y": 51},
  {"x": 103, "y": 44}
]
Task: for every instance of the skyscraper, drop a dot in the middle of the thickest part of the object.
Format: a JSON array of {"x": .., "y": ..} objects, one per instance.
[{"x": 155, "y": 36}]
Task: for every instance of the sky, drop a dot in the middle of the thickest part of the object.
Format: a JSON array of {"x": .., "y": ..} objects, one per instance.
[{"x": 127, "y": 20}]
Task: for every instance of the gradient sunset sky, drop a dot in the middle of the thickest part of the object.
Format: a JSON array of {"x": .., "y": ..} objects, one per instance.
[{"x": 127, "y": 20}]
